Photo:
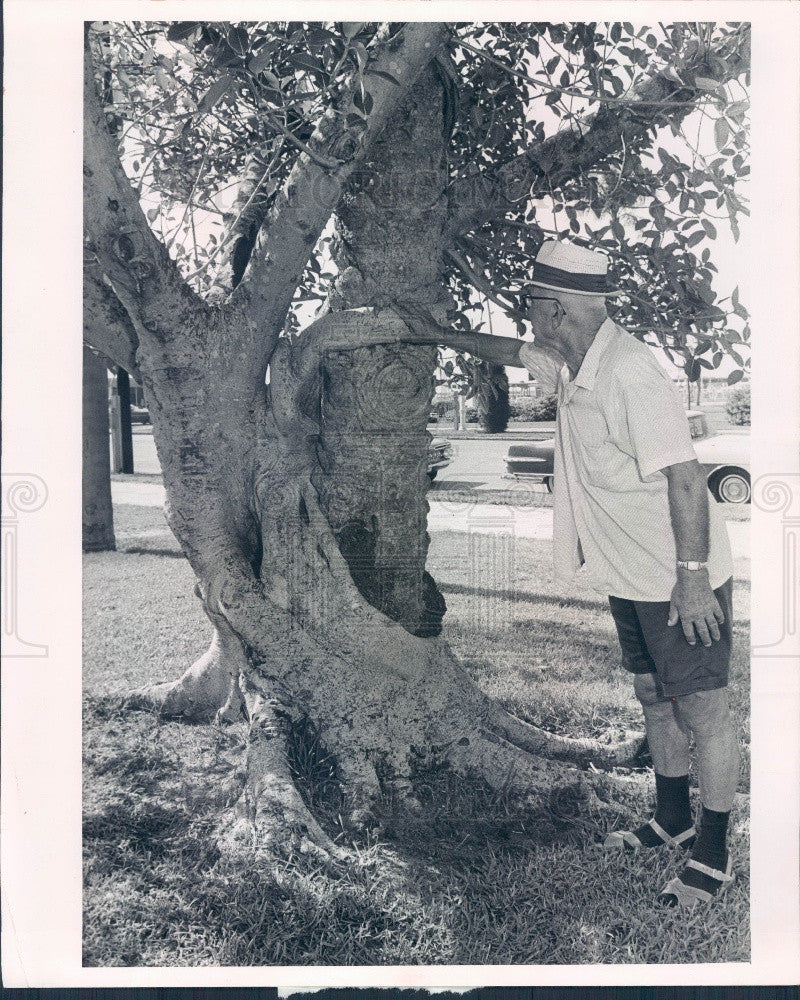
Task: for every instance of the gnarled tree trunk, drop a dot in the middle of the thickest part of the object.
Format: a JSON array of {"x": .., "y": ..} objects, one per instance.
[
  {"x": 300, "y": 505},
  {"x": 389, "y": 247}
]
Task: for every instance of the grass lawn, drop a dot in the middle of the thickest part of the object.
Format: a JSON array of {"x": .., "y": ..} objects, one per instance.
[{"x": 474, "y": 881}]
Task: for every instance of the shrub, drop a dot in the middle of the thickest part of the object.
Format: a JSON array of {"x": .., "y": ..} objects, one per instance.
[
  {"x": 738, "y": 403},
  {"x": 528, "y": 409}
]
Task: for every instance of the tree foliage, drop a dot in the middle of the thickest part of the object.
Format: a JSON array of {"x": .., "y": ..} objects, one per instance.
[{"x": 595, "y": 132}]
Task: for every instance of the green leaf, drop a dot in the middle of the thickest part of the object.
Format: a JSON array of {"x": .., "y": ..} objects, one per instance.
[
  {"x": 551, "y": 65},
  {"x": 306, "y": 62},
  {"x": 695, "y": 238},
  {"x": 618, "y": 230},
  {"x": 721, "y": 132},
  {"x": 218, "y": 89},
  {"x": 692, "y": 369},
  {"x": 238, "y": 39},
  {"x": 361, "y": 54},
  {"x": 261, "y": 60},
  {"x": 735, "y": 376},
  {"x": 164, "y": 81},
  {"x": 704, "y": 83},
  {"x": 709, "y": 228},
  {"x": 179, "y": 30},
  {"x": 351, "y": 28}
]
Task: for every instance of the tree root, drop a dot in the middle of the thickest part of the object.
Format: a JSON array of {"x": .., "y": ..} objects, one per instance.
[
  {"x": 271, "y": 815},
  {"x": 575, "y": 750},
  {"x": 569, "y": 795},
  {"x": 208, "y": 690}
]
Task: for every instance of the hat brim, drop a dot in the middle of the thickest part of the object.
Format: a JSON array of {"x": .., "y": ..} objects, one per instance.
[{"x": 572, "y": 291}]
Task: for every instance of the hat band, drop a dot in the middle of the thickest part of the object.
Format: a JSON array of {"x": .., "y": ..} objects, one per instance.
[{"x": 569, "y": 280}]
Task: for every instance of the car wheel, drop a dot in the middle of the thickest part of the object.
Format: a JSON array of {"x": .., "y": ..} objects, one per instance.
[
  {"x": 549, "y": 483},
  {"x": 432, "y": 474},
  {"x": 731, "y": 486}
]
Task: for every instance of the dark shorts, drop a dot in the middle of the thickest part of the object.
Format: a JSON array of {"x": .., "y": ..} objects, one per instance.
[{"x": 650, "y": 646}]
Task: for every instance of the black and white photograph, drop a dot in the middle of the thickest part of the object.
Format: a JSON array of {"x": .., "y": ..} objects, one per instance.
[{"x": 419, "y": 514}]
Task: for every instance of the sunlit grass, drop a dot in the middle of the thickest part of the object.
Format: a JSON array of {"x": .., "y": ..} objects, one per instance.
[{"x": 472, "y": 881}]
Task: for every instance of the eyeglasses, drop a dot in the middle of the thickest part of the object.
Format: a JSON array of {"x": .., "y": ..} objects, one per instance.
[{"x": 541, "y": 298}]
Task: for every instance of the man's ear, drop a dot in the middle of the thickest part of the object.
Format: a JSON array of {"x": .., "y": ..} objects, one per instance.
[{"x": 557, "y": 315}]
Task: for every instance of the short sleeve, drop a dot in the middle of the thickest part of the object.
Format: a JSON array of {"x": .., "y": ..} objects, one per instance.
[
  {"x": 657, "y": 426},
  {"x": 543, "y": 366}
]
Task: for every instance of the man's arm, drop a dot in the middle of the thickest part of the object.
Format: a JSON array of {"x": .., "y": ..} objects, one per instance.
[
  {"x": 423, "y": 329},
  {"x": 693, "y": 600}
]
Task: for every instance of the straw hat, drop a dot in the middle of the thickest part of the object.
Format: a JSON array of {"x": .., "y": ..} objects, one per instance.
[{"x": 567, "y": 267}]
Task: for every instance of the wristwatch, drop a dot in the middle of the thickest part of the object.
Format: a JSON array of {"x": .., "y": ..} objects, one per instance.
[{"x": 690, "y": 564}]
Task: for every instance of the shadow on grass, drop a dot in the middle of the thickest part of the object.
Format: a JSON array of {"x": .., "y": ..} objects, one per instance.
[
  {"x": 474, "y": 879},
  {"x": 524, "y": 597},
  {"x": 145, "y": 550}
]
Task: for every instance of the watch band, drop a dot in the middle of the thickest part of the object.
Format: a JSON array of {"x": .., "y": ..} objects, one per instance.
[{"x": 691, "y": 564}]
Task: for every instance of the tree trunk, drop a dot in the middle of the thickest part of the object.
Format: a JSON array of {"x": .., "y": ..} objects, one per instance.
[
  {"x": 492, "y": 397},
  {"x": 98, "y": 515},
  {"x": 260, "y": 495},
  {"x": 389, "y": 247}
]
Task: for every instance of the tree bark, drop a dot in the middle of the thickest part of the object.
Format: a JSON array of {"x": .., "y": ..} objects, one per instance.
[
  {"x": 389, "y": 247},
  {"x": 98, "y": 515}
]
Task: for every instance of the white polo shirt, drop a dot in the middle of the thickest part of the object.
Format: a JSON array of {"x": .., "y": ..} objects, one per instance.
[{"x": 619, "y": 422}]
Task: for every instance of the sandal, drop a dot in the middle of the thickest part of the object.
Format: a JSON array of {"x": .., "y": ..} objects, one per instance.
[
  {"x": 677, "y": 893},
  {"x": 629, "y": 840}
]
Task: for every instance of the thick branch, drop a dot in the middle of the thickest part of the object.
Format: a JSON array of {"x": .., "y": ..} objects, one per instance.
[
  {"x": 107, "y": 326},
  {"x": 568, "y": 154},
  {"x": 245, "y": 219},
  {"x": 118, "y": 242},
  {"x": 311, "y": 192}
]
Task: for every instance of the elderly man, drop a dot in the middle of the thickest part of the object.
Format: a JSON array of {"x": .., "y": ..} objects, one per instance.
[{"x": 632, "y": 507}]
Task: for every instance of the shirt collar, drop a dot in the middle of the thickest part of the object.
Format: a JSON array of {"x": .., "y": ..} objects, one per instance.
[{"x": 591, "y": 360}]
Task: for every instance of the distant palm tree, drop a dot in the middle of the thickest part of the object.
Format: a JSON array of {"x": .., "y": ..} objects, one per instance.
[
  {"x": 491, "y": 397},
  {"x": 490, "y": 383}
]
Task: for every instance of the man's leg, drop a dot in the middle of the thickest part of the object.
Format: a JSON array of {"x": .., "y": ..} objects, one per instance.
[
  {"x": 669, "y": 749},
  {"x": 668, "y": 741},
  {"x": 669, "y": 744},
  {"x": 707, "y": 715}
]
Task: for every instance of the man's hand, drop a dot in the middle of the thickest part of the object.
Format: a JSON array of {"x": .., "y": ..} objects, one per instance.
[{"x": 694, "y": 604}]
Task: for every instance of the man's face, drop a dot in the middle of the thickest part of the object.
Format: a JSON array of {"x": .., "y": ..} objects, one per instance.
[{"x": 545, "y": 314}]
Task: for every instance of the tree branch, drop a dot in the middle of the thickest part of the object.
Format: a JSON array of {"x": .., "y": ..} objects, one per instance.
[
  {"x": 118, "y": 242},
  {"x": 106, "y": 324},
  {"x": 567, "y": 154},
  {"x": 483, "y": 285},
  {"x": 311, "y": 192}
]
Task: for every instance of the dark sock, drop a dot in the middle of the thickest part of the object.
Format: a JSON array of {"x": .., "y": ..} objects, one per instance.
[
  {"x": 709, "y": 847},
  {"x": 673, "y": 809}
]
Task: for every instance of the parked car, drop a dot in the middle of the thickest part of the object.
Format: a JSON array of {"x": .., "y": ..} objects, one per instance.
[
  {"x": 139, "y": 415},
  {"x": 440, "y": 452},
  {"x": 724, "y": 457}
]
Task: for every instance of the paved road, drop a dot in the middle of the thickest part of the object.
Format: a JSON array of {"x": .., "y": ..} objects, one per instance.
[
  {"x": 478, "y": 518},
  {"x": 475, "y": 463}
]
